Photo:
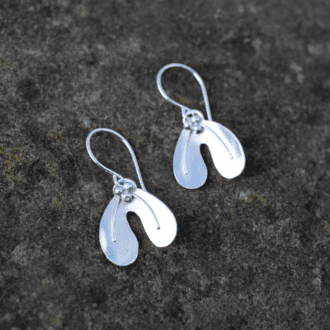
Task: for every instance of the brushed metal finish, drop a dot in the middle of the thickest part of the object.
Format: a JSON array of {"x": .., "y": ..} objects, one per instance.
[
  {"x": 125, "y": 250},
  {"x": 227, "y": 154},
  {"x": 149, "y": 208},
  {"x": 189, "y": 168},
  {"x": 152, "y": 212}
]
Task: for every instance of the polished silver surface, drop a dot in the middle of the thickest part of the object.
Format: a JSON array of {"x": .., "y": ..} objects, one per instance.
[
  {"x": 153, "y": 211},
  {"x": 125, "y": 249},
  {"x": 189, "y": 168},
  {"x": 118, "y": 242},
  {"x": 227, "y": 153}
]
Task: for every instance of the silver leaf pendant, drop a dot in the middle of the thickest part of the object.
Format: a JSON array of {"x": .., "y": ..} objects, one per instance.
[
  {"x": 227, "y": 153},
  {"x": 117, "y": 240}
]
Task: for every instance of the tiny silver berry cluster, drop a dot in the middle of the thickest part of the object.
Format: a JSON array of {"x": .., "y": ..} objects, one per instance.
[
  {"x": 193, "y": 121},
  {"x": 125, "y": 189}
]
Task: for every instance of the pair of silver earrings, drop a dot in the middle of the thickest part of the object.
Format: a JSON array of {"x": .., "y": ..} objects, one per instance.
[{"x": 117, "y": 240}]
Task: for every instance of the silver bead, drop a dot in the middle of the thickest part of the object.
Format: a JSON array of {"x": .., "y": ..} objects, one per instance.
[
  {"x": 194, "y": 119},
  {"x": 118, "y": 190},
  {"x": 197, "y": 128},
  {"x": 126, "y": 197},
  {"x": 127, "y": 186},
  {"x": 198, "y": 118},
  {"x": 186, "y": 124}
]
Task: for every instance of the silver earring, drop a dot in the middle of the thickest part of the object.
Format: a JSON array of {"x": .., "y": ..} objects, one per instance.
[
  {"x": 117, "y": 240},
  {"x": 227, "y": 153}
]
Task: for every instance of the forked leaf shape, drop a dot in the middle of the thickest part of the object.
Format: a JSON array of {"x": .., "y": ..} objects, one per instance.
[
  {"x": 227, "y": 154},
  {"x": 151, "y": 211}
]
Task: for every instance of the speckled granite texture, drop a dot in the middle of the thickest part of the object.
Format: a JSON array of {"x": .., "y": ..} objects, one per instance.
[{"x": 251, "y": 253}]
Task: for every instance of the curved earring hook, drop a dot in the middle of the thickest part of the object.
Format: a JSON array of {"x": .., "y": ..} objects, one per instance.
[
  {"x": 199, "y": 79},
  {"x": 115, "y": 175}
]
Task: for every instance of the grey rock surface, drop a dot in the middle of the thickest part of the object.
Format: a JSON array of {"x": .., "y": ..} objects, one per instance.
[{"x": 252, "y": 252}]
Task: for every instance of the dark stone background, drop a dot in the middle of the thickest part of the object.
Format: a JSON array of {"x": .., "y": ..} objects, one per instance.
[{"x": 251, "y": 253}]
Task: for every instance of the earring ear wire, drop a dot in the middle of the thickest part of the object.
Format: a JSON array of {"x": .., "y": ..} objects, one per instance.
[
  {"x": 198, "y": 78},
  {"x": 115, "y": 175}
]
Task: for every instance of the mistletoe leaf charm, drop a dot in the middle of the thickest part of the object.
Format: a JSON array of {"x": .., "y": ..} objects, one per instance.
[
  {"x": 118, "y": 242},
  {"x": 227, "y": 153}
]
